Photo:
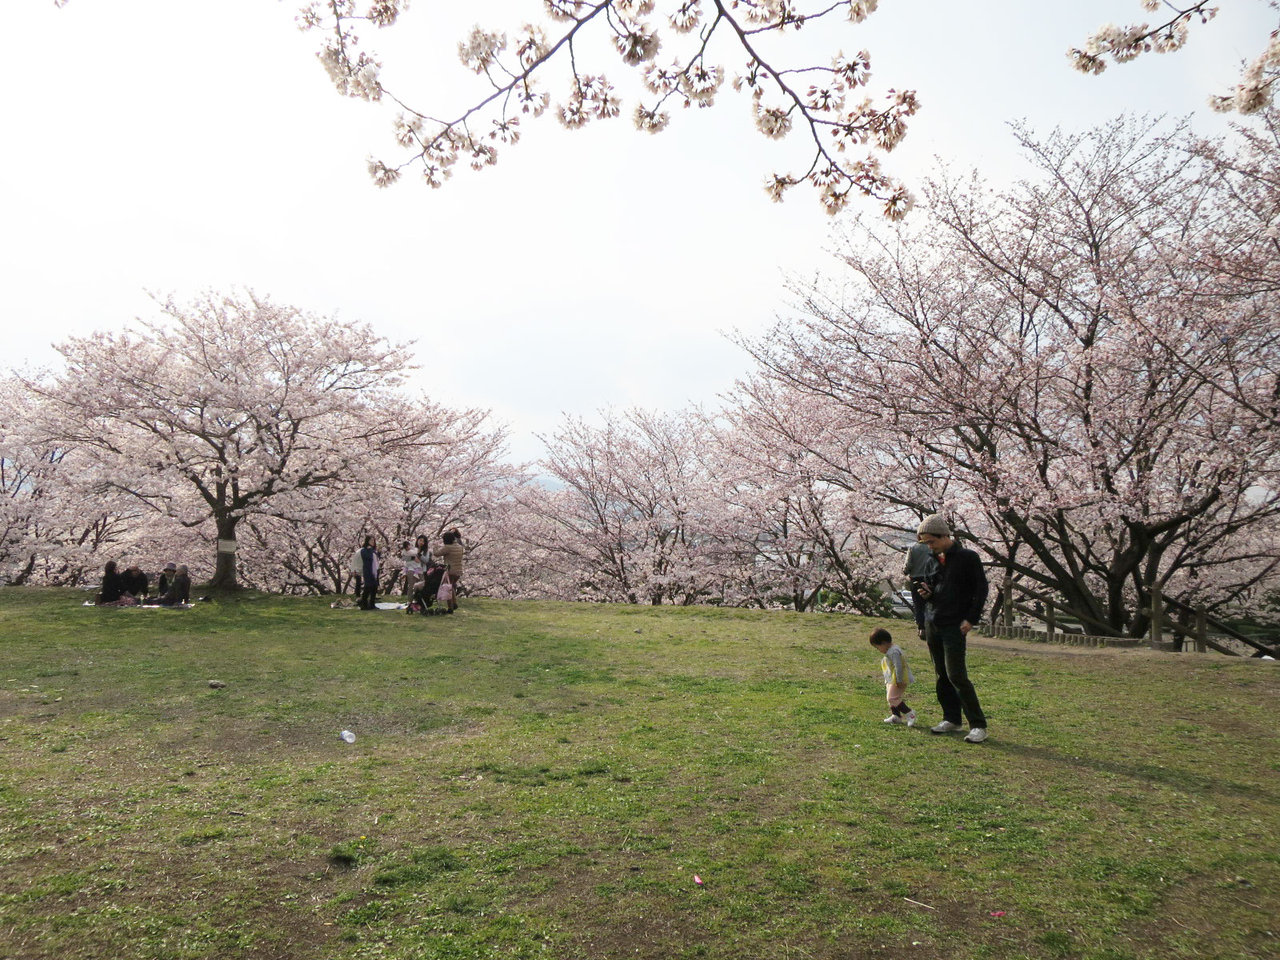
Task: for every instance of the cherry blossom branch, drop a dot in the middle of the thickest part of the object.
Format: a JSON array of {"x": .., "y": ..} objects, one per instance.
[
  {"x": 837, "y": 180},
  {"x": 637, "y": 39},
  {"x": 1122, "y": 44}
]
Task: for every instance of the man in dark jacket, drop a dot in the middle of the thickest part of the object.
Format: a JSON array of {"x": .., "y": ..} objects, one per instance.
[{"x": 956, "y": 595}]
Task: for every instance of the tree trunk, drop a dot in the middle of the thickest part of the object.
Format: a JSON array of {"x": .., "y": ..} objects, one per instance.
[
  {"x": 224, "y": 571},
  {"x": 28, "y": 568}
]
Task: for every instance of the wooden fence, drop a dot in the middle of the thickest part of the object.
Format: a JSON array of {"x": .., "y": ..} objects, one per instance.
[
  {"x": 1193, "y": 630},
  {"x": 1190, "y": 630}
]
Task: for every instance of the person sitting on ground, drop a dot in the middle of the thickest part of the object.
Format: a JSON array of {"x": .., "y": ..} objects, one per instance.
[
  {"x": 136, "y": 582},
  {"x": 166, "y": 578},
  {"x": 112, "y": 586},
  {"x": 179, "y": 589}
]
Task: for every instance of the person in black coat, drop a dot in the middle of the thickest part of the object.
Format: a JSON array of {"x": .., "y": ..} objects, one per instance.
[
  {"x": 178, "y": 589},
  {"x": 113, "y": 585},
  {"x": 166, "y": 578},
  {"x": 136, "y": 583},
  {"x": 369, "y": 571},
  {"x": 955, "y": 597}
]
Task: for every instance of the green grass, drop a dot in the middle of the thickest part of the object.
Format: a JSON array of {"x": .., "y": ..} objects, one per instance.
[{"x": 545, "y": 780}]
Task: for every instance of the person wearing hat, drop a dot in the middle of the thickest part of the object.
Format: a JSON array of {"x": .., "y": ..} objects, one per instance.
[
  {"x": 179, "y": 592},
  {"x": 166, "y": 578},
  {"x": 955, "y": 596}
]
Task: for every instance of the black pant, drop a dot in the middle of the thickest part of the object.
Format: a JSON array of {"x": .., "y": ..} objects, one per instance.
[
  {"x": 369, "y": 593},
  {"x": 955, "y": 690}
]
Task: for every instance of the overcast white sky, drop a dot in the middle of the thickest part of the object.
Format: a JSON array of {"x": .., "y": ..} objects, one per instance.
[{"x": 181, "y": 145}]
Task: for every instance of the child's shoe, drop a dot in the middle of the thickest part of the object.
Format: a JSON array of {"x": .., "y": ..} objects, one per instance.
[
  {"x": 910, "y": 717},
  {"x": 893, "y": 718}
]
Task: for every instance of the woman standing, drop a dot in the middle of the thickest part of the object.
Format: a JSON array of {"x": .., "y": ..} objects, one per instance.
[
  {"x": 356, "y": 569},
  {"x": 451, "y": 555},
  {"x": 369, "y": 571},
  {"x": 412, "y": 565},
  {"x": 422, "y": 548}
]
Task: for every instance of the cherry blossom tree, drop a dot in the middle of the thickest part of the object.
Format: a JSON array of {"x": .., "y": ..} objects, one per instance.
[
  {"x": 224, "y": 408},
  {"x": 54, "y": 528},
  {"x": 996, "y": 363},
  {"x": 799, "y": 536},
  {"x": 689, "y": 508},
  {"x": 628, "y": 513},
  {"x": 460, "y": 480},
  {"x": 529, "y": 561},
  {"x": 1243, "y": 360}
]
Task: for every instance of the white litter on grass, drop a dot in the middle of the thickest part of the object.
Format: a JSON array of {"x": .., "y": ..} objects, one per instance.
[{"x": 348, "y": 736}]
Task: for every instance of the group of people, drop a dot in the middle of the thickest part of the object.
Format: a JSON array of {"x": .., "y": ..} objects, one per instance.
[
  {"x": 949, "y": 593},
  {"x": 418, "y": 561},
  {"x": 132, "y": 587}
]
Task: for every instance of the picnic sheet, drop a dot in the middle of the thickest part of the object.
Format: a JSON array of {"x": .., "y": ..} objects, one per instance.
[{"x": 144, "y": 606}]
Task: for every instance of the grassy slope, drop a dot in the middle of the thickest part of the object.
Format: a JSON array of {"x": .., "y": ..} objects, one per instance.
[{"x": 545, "y": 780}]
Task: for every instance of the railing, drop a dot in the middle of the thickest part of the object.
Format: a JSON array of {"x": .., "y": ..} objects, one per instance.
[
  {"x": 1055, "y": 630},
  {"x": 1197, "y": 632},
  {"x": 1072, "y": 632}
]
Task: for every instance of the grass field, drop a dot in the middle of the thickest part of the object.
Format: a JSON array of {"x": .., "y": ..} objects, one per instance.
[{"x": 551, "y": 780}]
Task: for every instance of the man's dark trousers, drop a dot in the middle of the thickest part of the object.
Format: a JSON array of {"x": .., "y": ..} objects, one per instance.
[{"x": 955, "y": 690}]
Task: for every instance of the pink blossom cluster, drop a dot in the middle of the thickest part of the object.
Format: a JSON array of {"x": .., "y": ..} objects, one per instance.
[
  {"x": 1122, "y": 44},
  {"x": 694, "y": 41}
]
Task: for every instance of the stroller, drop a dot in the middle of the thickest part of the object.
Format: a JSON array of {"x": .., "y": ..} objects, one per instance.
[{"x": 424, "y": 597}]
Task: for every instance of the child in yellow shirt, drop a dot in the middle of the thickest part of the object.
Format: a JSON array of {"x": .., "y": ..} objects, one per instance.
[{"x": 897, "y": 675}]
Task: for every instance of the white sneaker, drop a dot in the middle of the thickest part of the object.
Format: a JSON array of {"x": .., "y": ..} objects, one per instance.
[
  {"x": 976, "y": 735},
  {"x": 911, "y": 719},
  {"x": 893, "y": 718},
  {"x": 946, "y": 726}
]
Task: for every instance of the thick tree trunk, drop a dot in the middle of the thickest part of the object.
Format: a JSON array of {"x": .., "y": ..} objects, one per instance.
[
  {"x": 224, "y": 572},
  {"x": 28, "y": 568}
]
